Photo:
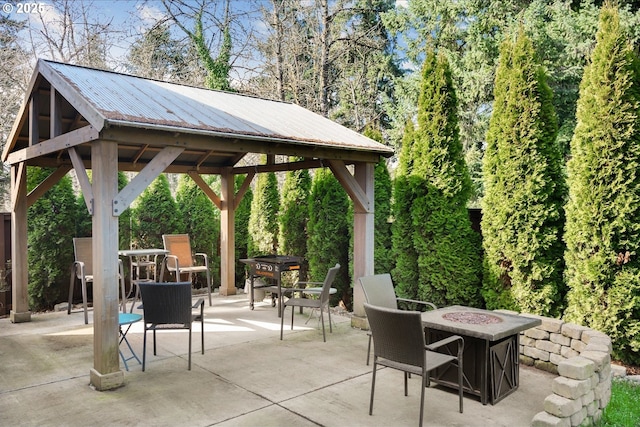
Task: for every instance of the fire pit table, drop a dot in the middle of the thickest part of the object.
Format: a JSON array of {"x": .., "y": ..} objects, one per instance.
[
  {"x": 271, "y": 267},
  {"x": 491, "y": 349}
]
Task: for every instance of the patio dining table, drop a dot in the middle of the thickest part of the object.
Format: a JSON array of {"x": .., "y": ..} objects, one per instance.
[
  {"x": 139, "y": 260},
  {"x": 491, "y": 348}
]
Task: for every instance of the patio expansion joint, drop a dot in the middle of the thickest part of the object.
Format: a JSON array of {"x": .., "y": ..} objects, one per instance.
[{"x": 32, "y": 386}]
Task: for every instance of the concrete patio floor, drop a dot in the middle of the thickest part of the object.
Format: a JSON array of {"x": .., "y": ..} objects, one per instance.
[{"x": 247, "y": 377}]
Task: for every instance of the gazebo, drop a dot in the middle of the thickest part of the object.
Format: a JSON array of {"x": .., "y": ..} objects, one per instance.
[{"x": 81, "y": 118}]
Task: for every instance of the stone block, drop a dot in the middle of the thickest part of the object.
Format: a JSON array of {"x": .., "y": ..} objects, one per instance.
[
  {"x": 600, "y": 358},
  {"x": 577, "y": 345},
  {"x": 556, "y": 359},
  {"x": 546, "y": 366},
  {"x": 592, "y": 408},
  {"x": 551, "y": 325},
  {"x": 527, "y": 341},
  {"x": 572, "y": 330},
  {"x": 548, "y": 346},
  {"x": 537, "y": 334},
  {"x": 577, "y": 368},
  {"x": 545, "y": 419},
  {"x": 618, "y": 371},
  {"x": 578, "y": 417},
  {"x": 588, "y": 398},
  {"x": 561, "y": 406},
  {"x": 526, "y": 360},
  {"x": 602, "y": 341},
  {"x": 568, "y": 352},
  {"x": 590, "y": 333},
  {"x": 536, "y": 353},
  {"x": 597, "y": 347},
  {"x": 560, "y": 339},
  {"x": 570, "y": 388}
]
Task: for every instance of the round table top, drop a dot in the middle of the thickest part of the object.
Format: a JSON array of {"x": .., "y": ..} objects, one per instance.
[{"x": 126, "y": 318}]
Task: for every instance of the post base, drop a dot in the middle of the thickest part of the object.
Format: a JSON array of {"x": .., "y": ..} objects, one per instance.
[
  {"x": 102, "y": 382},
  {"x": 23, "y": 317}
]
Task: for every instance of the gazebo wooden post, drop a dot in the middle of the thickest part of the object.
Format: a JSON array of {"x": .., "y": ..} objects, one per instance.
[
  {"x": 227, "y": 233},
  {"x": 19, "y": 276},
  {"x": 106, "y": 373},
  {"x": 364, "y": 233}
]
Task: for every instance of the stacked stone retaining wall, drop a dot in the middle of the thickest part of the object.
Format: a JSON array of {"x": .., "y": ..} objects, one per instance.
[{"x": 581, "y": 357}]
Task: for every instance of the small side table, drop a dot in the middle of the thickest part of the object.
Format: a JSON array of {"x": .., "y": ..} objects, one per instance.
[{"x": 127, "y": 319}]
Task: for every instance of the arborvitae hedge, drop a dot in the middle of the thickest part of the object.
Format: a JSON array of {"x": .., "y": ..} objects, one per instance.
[
  {"x": 448, "y": 249},
  {"x": 294, "y": 215},
  {"x": 523, "y": 219},
  {"x": 50, "y": 231},
  {"x": 263, "y": 222},
  {"x": 243, "y": 212},
  {"x": 155, "y": 214},
  {"x": 329, "y": 232},
  {"x": 202, "y": 223},
  {"x": 405, "y": 273},
  {"x": 603, "y": 212}
]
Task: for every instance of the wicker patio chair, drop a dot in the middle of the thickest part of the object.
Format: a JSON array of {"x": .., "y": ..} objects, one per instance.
[
  {"x": 181, "y": 260},
  {"x": 399, "y": 343},
  {"x": 379, "y": 291},
  {"x": 320, "y": 303},
  {"x": 169, "y": 306}
]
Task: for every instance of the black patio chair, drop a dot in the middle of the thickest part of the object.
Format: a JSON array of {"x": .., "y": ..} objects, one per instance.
[
  {"x": 169, "y": 306},
  {"x": 399, "y": 343}
]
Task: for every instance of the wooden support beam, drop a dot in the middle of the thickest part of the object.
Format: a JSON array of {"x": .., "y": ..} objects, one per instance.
[
  {"x": 55, "y": 119},
  {"x": 47, "y": 184},
  {"x": 61, "y": 142},
  {"x": 243, "y": 190},
  {"x": 363, "y": 234},
  {"x": 207, "y": 190},
  {"x": 351, "y": 186},
  {"x": 34, "y": 133},
  {"x": 227, "y": 234},
  {"x": 83, "y": 178},
  {"x": 19, "y": 265},
  {"x": 141, "y": 181}
]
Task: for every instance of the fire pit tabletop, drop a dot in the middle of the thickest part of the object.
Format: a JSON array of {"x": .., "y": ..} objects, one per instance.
[{"x": 476, "y": 322}]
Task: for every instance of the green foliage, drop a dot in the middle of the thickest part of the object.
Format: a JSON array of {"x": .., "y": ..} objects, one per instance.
[
  {"x": 329, "y": 232},
  {"x": 603, "y": 212},
  {"x": 405, "y": 273},
  {"x": 623, "y": 409},
  {"x": 155, "y": 214},
  {"x": 447, "y": 247},
  {"x": 294, "y": 214},
  {"x": 522, "y": 221},
  {"x": 263, "y": 221},
  {"x": 50, "y": 229},
  {"x": 242, "y": 215},
  {"x": 202, "y": 223}
]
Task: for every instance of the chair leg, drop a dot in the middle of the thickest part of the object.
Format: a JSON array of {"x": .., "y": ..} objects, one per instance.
[
  {"x": 144, "y": 348},
  {"x": 329, "y": 311},
  {"x": 324, "y": 337},
  {"x": 71, "y": 283},
  {"x": 373, "y": 385},
  {"x": 84, "y": 300},
  {"x": 406, "y": 383},
  {"x": 202, "y": 334},
  {"x": 460, "y": 382},
  {"x": 154, "y": 342},
  {"x": 292, "y": 313},
  {"x": 282, "y": 321},
  {"x": 190, "y": 345},
  {"x": 209, "y": 285},
  {"x": 369, "y": 349},
  {"x": 425, "y": 375}
]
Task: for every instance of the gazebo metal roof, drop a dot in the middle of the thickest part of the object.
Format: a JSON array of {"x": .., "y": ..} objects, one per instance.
[{"x": 81, "y": 118}]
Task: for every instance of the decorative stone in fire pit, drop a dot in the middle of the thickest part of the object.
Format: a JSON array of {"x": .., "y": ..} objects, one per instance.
[{"x": 472, "y": 318}]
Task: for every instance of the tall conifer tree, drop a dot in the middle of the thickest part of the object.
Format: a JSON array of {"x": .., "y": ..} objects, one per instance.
[
  {"x": 603, "y": 212},
  {"x": 263, "y": 221},
  {"x": 448, "y": 249},
  {"x": 523, "y": 218}
]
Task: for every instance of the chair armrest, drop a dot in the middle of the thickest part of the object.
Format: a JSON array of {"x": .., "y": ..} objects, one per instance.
[
  {"x": 204, "y": 256},
  {"x": 200, "y": 303},
  {"x": 413, "y": 301},
  {"x": 445, "y": 341},
  {"x": 199, "y": 317},
  {"x": 175, "y": 260},
  {"x": 304, "y": 284}
]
